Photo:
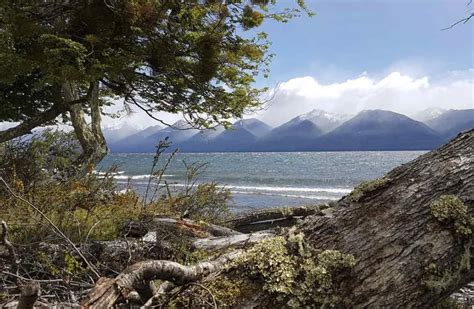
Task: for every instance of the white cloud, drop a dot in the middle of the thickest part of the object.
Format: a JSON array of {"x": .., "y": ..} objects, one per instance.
[{"x": 396, "y": 91}]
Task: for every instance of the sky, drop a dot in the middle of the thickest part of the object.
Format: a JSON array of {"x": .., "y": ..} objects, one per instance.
[
  {"x": 361, "y": 54},
  {"x": 365, "y": 54}
]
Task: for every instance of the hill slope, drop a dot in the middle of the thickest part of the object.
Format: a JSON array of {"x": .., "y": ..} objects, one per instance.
[{"x": 378, "y": 130}]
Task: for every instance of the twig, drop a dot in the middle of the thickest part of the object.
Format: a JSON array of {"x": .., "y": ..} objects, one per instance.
[
  {"x": 464, "y": 20},
  {"x": 28, "y": 279},
  {"x": 209, "y": 291},
  {"x": 11, "y": 250},
  {"x": 55, "y": 228},
  {"x": 90, "y": 230}
]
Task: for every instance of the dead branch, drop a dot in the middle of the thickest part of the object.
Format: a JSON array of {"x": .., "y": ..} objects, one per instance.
[
  {"x": 235, "y": 241},
  {"x": 464, "y": 20},
  {"x": 108, "y": 291},
  {"x": 268, "y": 218}
]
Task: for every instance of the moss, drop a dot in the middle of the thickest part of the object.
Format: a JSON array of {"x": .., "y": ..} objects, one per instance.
[
  {"x": 439, "y": 279},
  {"x": 294, "y": 272},
  {"x": 229, "y": 291},
  {"x": 450, "y": 210},
  {"x": 366, "y": 186}
]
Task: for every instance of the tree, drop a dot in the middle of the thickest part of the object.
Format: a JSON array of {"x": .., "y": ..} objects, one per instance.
[{"x": 70, "y": 58}]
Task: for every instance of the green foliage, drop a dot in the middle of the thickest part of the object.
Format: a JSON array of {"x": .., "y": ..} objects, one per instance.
[
  {"x": 184, "y": 57},
  {"x": 207, "y": 202},
  {"x": 366, "y": 186},
  {"x": 295, "y": 273},
  {"x": 230, "y": 292},
  {"x": 88, "y": 207},
  {"x": 450, "y": 210},
  {"x": 49, "y": 155}
]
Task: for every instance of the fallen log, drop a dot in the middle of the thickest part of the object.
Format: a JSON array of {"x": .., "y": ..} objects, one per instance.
[
  {"x": 164, "y": 225},
  {"x": 234, "y": 241},
  {"x": 413, "y": 247},
  {"x": 267, "y": 218}
]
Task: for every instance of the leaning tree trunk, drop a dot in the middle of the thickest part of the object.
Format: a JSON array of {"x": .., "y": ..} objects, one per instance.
[
  {"x": 407, "y": 254},
  {"x": 90, "y": 136}
]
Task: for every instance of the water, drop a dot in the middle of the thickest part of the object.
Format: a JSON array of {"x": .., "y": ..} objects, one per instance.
[{"x": 259, "y": 180}]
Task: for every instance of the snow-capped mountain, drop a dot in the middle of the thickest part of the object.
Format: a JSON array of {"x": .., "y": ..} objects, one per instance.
[
  {"x": 428, "y": 114},
  {"x": 325, "y": 121}
]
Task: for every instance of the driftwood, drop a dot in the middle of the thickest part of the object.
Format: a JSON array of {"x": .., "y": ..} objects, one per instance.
[
  {"x": 268, "y": 218},
  {"x": 163, "y": 226},
  {"x": 136, "y": 277},
  {"x": 234, "y": 241}
]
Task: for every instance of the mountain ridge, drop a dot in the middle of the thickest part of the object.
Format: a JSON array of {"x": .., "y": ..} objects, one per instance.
[{"x": 368, "y": 130}]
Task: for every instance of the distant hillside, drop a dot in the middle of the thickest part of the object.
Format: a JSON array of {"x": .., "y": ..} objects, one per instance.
[
  {"x": 141, "y": 141},
  {"x": 325, "y": 121},
  {"x": 148, "y": 139},
  {"x": 291, "y": 136},
  {"x": 314, "y": 131},
  {"x": 451, "y": 122},
  {"x": 378, "y": 130},
  {"x": 428, "y": 114},
  {"x": 240, "y": 137}
]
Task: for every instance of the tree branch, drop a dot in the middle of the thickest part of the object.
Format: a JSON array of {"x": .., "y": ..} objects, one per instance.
[
  {"x": 42, "y": 118},
  {"x": 108, "y": 291}
]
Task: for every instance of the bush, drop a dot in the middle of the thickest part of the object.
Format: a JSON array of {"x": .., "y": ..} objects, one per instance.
[{"x": 88, "y": 207}]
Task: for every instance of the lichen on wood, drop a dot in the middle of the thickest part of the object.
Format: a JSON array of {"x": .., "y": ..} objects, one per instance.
[
  {"x": 449, "y": 209},
  {"x": 366, "y": 186},
  {"x": 295, "y": 273}
]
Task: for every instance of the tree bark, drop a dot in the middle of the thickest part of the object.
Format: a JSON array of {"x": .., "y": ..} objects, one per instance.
[
  {"x": 93, "y": 143},
  {"x": 395, "y": 237},
  {"x": 39, "y": 120}
]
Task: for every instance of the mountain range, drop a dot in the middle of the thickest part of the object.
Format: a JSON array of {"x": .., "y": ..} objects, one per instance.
[{"x": 314, "y": 131}]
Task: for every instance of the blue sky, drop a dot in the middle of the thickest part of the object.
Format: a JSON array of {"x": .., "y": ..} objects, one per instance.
[{"x": 348, "y": 37}]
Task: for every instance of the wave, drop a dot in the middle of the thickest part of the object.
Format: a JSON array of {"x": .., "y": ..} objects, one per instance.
[
  {"x": 338, "y": 191},
  {"x": 311, "y": 197},
  {"x": 99, "y": 173},
  {"x": 133, "y": 177},
  {"x": 291, "y": 189}
]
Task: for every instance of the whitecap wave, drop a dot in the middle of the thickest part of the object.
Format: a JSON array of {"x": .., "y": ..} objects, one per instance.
[
  {"x": 311, "y": 197},
  {"x": 337, "y": 191},
  {"x": 100, "y": 173}
]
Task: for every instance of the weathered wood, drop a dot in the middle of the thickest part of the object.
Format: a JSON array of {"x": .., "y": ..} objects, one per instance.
[
  {"x": 108, "y": 291},
  {"x": 263, "y": 219},
  {"x": 234, "y": 241},
  {"x": 163, "y": 226},
  {"x": 393, "y": 234}
]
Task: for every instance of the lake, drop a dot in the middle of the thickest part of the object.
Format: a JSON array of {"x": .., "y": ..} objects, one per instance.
[{"x": 259, "y": 180}]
